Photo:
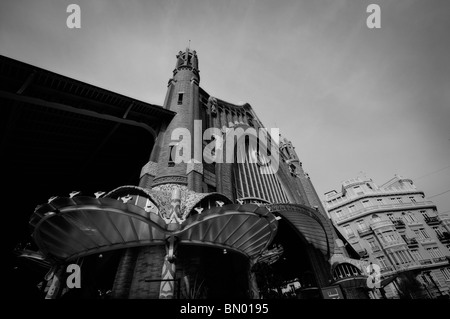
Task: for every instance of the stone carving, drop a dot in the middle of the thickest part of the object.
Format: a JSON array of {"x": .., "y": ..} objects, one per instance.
[
  {"x": 170, "y": 179},
  {"x": 188, "y": 199},
  {"x": 174, "y": 214},
  {"x": 212, "y": 102},
  {"x": 161, "y": 201}
]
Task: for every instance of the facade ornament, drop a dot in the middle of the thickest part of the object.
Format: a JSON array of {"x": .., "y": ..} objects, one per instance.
[
  {"x": 51, "y": 199},
  {"x": 74, "y": 193},
  {"x": 174, "y": 215},
  {"x": 98, "y": 194},
  {"x": 212, "y": 105},
  {"x": 199, "y": 210},
  {"x": 150, "y": 207},
  {"x": 219, "y": 203},
  {"x": 126, "y": 199}
]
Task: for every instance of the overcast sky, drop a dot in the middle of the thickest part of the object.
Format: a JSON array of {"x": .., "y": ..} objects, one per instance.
[{"x": 350, "y": 98}]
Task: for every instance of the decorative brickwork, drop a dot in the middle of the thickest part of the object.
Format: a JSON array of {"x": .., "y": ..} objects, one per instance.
[{"x": 150, "y": 168}]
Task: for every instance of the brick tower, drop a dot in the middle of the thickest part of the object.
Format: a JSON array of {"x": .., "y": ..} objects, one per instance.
[{"x": 183, "y": 98}]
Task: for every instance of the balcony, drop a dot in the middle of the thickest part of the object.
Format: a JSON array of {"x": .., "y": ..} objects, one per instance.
[
  {"x": 364, "y": 231},
  {"x": 408, "y": 266},
  {"x": 393, "y": 243},
  {"x": 363, "y": 253},
  {"x": 380, "y": 224},
  {"x": 414, "y": 223},
  {"x": 386, "y": 207},
  {"x": 435, "y": 220},
  {"x": 412, "y": 242},
  {"x": 398, "y": 223},
  {"x": 440, "y": 259},
  {"x": 426, "y": 241},
  {"x": 386, "y": 269},
  {"x": 425, "y": 261},
  {"x": 444, "y": 237},
  {"x": 376, "y": 249}
]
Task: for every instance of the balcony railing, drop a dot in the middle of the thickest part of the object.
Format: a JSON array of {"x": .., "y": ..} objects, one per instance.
[
  {"x": 425, "y": 261},
  {"x": 398, "y": 223},
  {"x": 444, "y": 237},
  {"x": 386, "y": 269},
  {"x": 411, "y": 242},
  {"x": 407, "y": 266},
  {"x": 414, "y": 222},
  {"x": 414, "y": 264},
  {"x": 364, "y": 231},
  {"x": 393, "y": 243},
  {"x": 363, "y": 253},
  {"x": 440, "y": 259},
  {"x": 375, "y": 208},
  {"x": 381, "y": 223},
  {"x": 434, "y": 220},
  {"x": 425, "y": 241},
  {"x": 376, "y": 249}
]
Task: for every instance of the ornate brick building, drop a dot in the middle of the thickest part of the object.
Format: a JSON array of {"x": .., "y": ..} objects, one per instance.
[{"x": 198, "y": 228}]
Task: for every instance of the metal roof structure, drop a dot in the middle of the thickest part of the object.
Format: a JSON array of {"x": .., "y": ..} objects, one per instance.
[{"x": 59, "y": 134}]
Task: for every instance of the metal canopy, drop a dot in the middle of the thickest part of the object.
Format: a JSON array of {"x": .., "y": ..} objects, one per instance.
[
  {"x": 314, "y": 227},
  {"x": 248, "y": 228},
  {"x": 68, "y": 228}
]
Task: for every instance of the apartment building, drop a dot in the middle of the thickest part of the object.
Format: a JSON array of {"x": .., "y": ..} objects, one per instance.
[{"x": 395, "y": 227}]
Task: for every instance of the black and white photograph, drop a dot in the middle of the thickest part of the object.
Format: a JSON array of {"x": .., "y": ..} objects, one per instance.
[{"x": 232, "y": 156}]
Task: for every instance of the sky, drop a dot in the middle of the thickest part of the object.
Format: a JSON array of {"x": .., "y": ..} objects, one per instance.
[{"x": 350, "y": 98}]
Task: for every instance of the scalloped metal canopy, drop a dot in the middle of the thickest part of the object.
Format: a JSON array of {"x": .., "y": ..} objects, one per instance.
[{"x": 68, "y": 228}]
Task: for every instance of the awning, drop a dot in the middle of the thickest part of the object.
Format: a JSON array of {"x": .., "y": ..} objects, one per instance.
[
  {"x": 248, "y": 228},
  {"x": 68, "y": 228},
  {"x": 313, "y": 226}
]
